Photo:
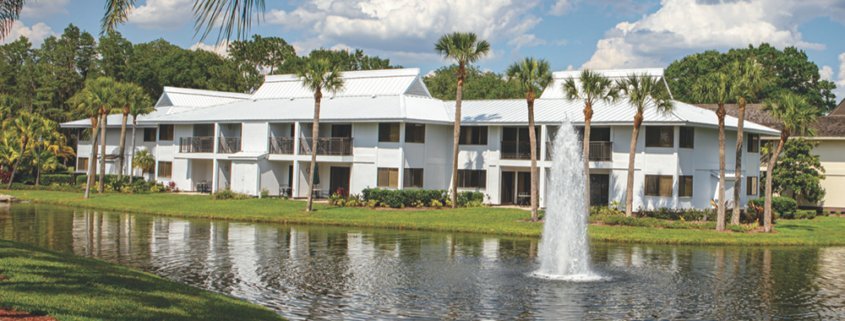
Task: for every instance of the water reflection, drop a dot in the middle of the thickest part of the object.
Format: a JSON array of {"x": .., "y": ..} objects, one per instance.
[{"x": 322, "y": 273}]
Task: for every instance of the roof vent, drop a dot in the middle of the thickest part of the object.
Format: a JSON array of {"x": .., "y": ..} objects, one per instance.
[
  {"x": 291, "y": 99},
  {"x": 374, "y": 96}
]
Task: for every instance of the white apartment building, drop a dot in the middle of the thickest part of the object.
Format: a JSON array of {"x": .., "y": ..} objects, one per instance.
[{"x": 385, "y": 130}]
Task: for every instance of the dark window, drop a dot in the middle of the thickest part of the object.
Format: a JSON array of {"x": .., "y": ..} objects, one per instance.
[
  {"x": 165, "y": 132},
  {"x": 165, "y": 169},
  {"x": 473, "y": 135},
  {"x": 388, "y": 132},
  {"x": 684, "y": 186},
  {"x": 659, "y": 136},
  {"x": 687, "y": 137},
  {"x": 82, "y": 164},
  {"x": 149, "y": 134},
  {"x": 658, "y": 185},
  {"x": 753, "y": 143},
  {"x": 599, "y": 134},
  {"x": 472, "y": 178},
  {"x": 413, "y": 177},
  {"x": 414, "y": 133},
  {"x": 751, "y": 185},
  {"x": 388, "y": 177}
]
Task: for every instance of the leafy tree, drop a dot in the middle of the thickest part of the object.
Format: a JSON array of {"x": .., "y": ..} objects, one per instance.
[
  {"x": 115, "y": 54},
  {"x": 716, "y": 87},
  {"x": 641, "y": 91},
  {"x": 344, "y": 60},
  {"x": 533, "y": 76},
  {"x": 478, "y": 85},
  {"x": 259, "y": 56},
  {"x": 798, "y": 171},
  {"x": 796, "y": 115},
  {"x": 318, "y": 75},
  {"x": 464, "y": 49}
]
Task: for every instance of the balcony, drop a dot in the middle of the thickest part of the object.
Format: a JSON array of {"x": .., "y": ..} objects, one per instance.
[
  {"x": 200, "y": 144},
  {"x": 281, "y": 145},
  {"x": 599, "y": 151},
  {"x": 512, "y": 149},
  {"x": 334, "y": 146},
  {"x": 229, "y": 145}
]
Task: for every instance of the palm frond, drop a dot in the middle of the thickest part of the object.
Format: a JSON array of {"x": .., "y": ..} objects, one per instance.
[
  {"x": 10, "y": 11},
  {"x": 230, "y": 17},
  {"x": 117, "y": 11}
]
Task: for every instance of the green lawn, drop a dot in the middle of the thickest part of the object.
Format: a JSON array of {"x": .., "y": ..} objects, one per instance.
[
  {"x": 74, "y": 288},
  {"x": 820, "y": 231}
]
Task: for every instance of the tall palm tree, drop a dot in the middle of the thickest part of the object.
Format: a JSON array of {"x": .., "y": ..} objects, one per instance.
[
  {"x": 641, "y": 91},
  {"x": 796, "y": 116},
  {"x": 141, "y": 105},
  {"x": 463, "y": 48},
  {"x": 318, "y": 75},
  {"x": 532, "y": 76},
  {"x": 128, "y": 95},
  {"x": 591, "y": 87},
  {"x": 28, "y": 128},
  {"x": 748, "y": 82},
  {"x": 716, "y": 87},
  {"x": 94, "y": 97},
  {"x": 231, "y": 17}
]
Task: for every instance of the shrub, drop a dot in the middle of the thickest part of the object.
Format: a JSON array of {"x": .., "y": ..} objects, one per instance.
[
  {"x": 60, "y": 179},
  {"x": 265, "y": 193},
  {"x": 782, "y": 206},
  {"x": 402, "y": 198},
  {"x": 228, "y": 194},
  {"x": 54, "y": 187},
  {"x": 470, "y": 199},
  {"x": 109, "y": 179},
  {"x": 805, "y": 214},
  {"x": 680, "y": 214}
]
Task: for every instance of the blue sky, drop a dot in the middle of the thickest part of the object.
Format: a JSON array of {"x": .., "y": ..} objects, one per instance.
[{"x": 569, "y": 33}]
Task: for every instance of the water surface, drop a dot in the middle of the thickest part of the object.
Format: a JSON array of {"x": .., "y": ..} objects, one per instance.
[{"x": 330, "y": 273}]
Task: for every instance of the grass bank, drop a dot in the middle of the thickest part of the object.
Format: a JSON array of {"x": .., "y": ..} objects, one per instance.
[
  {"x": 69, "y": 287},
  {"x": 820, "y": 231}
]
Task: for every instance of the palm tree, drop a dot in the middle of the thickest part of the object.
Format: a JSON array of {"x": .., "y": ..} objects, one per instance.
[
  {"x": 748, "y": 82},
  {"x": 144, "y": 161},
  {"x": 318, "y": 75},
  {"x": 128, "y": 95},
  {"x": 47, "y": 151},
  {"x": 8, "y": 149},
  {"x": 591, "y": 88},
  {"x": 28, "y": 128},
  {"x": 532, "y": 76},
  {"x": 795, "y": 115},
  {"x": 641, "y": 91},
  {"x": 141, "y": 105},
  {"x": 231, "y": 17},
  {"x": 715, "y": 87},
  {"x": 463, "y": 48},
  {"x": 90, "y": 101}
]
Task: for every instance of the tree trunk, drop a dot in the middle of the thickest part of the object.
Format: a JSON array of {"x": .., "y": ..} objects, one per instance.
[
  {"x": 132, "y": 157},
  {"x": 767, "y": 209},
  {"x": 121, "y": 150},
  {"x": 92, "y": 161},
  {"x": 532, "y": 140},
  {"x": 629, "y": 192},
  {"x": 315, "y": 132},
  {"x": 456, "y": 135},
  {"x": 738, "y": 173},
  {"x": 720, "y": 203},
  {"x": 588, "y": 118},
  {"x": 38, "y": 175},
  {"x": 103, "y": 123},
  {"x": 24, "y": 142}
]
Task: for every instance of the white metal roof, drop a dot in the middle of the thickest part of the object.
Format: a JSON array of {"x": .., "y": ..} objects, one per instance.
[
  {"x": 388, "y": 82},
  {"x": 186, "y": 97}
]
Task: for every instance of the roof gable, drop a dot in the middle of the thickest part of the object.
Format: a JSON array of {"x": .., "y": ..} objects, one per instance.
[
  {"x": 366, "y": 83},
  {"x": 185, "y": 97}
]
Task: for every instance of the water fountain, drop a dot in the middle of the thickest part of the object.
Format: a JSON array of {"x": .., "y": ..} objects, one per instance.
[{"x": 564, "y": 249}]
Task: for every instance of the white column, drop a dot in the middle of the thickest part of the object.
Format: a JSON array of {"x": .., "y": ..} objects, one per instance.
[
  {"x": 676, "y": 184},
  {"x": 214, "y": 175},
  {"x": 297, "y": 133},
  {"x": 401, "y": 178}
]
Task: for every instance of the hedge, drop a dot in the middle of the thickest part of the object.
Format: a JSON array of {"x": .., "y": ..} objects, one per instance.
[
  {"x": 783, "y": 206},
  {"x": 109, "y": 179},
  {"x": 417, "y": 197},
  {"x": 59, "y": 179}
]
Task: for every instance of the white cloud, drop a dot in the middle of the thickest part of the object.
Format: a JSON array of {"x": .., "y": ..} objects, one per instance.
[
  {"x": 407, "y": 29},
  {"x": 561, "y": 7},
  {"x": 162, "y": 14},
  {"x": 840, "y": 79},
  {"x": 826, "y": 73},
  {"x": 43, "y": 8},
  {"x": 221, "y": 48},
  {"x": 36, "y": 33},
  {"x": 683, "y": 26}
]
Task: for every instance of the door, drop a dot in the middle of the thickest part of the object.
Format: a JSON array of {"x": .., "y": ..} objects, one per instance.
[
  {"x": 599, "y": 189},
  {"x": 508, "y": 184},
  {"x": 339, "y": 180},
  {"x": 523, "y": 188}
]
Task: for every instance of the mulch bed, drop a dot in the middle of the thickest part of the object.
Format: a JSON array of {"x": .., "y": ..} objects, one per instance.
[{"x": 12, "y": 315}]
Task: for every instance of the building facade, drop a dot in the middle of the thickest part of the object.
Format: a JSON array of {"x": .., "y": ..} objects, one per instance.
[{"x": 385, "y": 130}]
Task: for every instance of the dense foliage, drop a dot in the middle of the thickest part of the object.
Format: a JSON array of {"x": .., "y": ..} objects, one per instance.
[
  {"x": 379, "y": 197},
  {"x": 783, "y": 206},
  {"x": 799, "y": 172},
  {"x": 479, "y": 84}
]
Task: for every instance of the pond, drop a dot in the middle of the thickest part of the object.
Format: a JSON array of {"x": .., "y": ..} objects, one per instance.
[{"x": 332, "y": 273}]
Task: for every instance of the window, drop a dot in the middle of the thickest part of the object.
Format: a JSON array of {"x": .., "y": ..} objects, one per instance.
[
  {"x": 388, "y": 132},
  {"x": 165, "y": 169},
  {"x": 687, "y": 137},
  {"x": 472, "y": 178},
  {"x": 659, "y": 136},
  {"x": 388, "y": 177},
  {"x": 753, "y": 143},
  {"x": 149, "y": 134},
  {"x": 684, "y": 186},
  {"x": 414, "y": 133},
  {"x": 751, "y": 187},
  {"x": 473, "y": 135},
  {"x": 82, "y": 164},
  {"x": 165, "y": 132},
  {"x": 658, "y": 185},
  {"x": 413, "y": 177}
]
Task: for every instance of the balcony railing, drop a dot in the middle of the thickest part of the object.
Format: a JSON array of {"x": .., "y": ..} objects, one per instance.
[
  {"x": 281, "y": 145},
  {"x": 229, "y": 145},
  {"x": 599, "y": 151},
  {"x": 200, "y": 144},
  {"x": 512, "y": 149},
  {"x": 338, "y": 146}
]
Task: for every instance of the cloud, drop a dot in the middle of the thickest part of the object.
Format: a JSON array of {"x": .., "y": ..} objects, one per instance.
[
  {"x": 36, "y": 33},
  {"x": 407, "y": 28},
  {"x": 561, "y": 7},
  {"x": 840, "y": 79},
  {"x": 681, "y": 27},
  {"x": 221, "y": 48},
  {"x": 162, "y": 14},
  {"x": 826, "y": 73},
  {"x": 44, "y": 8}
]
